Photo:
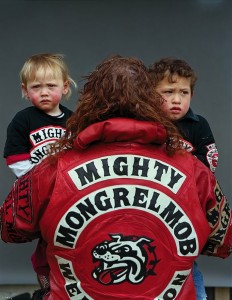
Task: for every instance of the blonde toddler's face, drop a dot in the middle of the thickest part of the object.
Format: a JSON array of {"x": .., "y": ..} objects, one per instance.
[
  {"x": 46, "y": 91},
  {"x": 177, "y": 96}
]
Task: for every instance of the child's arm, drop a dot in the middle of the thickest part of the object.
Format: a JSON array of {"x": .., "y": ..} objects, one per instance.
[
  {"x": 17, "y": 146},
  {"x": 204, "y": 144},
  {"x": 200, "y": 135},
  {"x": 21, "y": 167}
]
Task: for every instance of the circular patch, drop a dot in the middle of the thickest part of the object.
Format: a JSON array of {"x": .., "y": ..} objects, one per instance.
[
  {"x": 131, "y": 243},
  {"x": 124, "y": 250}
]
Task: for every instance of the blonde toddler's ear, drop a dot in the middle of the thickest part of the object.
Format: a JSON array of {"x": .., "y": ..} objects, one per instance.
[
  {"x": 24, "y": 91},
  {"x": 66, "y": 87}
]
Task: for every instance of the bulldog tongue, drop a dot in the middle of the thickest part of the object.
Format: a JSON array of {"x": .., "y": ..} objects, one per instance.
[
  {"x": 108, "y": 276},
  {"x": 105, "y": 277}
]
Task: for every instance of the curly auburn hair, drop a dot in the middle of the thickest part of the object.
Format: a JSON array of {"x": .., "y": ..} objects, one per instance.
[{"x": 118, "y": 87}]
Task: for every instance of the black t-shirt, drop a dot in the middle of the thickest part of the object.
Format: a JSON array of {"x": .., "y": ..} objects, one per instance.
[{"x": 30, "y": 131}]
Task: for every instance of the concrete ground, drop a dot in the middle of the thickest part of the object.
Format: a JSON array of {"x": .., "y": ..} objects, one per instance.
[{"x": 9, "y": 291}]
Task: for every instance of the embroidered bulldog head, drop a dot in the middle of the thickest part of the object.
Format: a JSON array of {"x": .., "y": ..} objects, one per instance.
[{"x": 124, "y": 258}]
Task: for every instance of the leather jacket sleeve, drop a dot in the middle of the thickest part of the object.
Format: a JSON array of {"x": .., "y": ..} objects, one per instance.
[
  {"x": 28, "y": 198},
  {"x": 217, "y": 210}
]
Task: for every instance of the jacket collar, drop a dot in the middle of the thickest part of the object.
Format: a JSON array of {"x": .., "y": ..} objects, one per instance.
[{"x": 122, "y": 130}]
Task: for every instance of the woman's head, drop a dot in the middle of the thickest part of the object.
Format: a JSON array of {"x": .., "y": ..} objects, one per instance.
[{"x": 118, "y": 87}]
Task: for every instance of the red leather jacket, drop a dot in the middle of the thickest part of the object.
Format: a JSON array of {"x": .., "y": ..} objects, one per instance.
[{"x": 121, "y": 218}]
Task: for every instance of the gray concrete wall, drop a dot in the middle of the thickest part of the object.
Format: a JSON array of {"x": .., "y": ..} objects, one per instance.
[{"x": 87, "y": 31}]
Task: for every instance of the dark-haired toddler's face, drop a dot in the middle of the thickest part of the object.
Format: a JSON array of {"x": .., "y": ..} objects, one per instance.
[{"x": 177, "y": 96}]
